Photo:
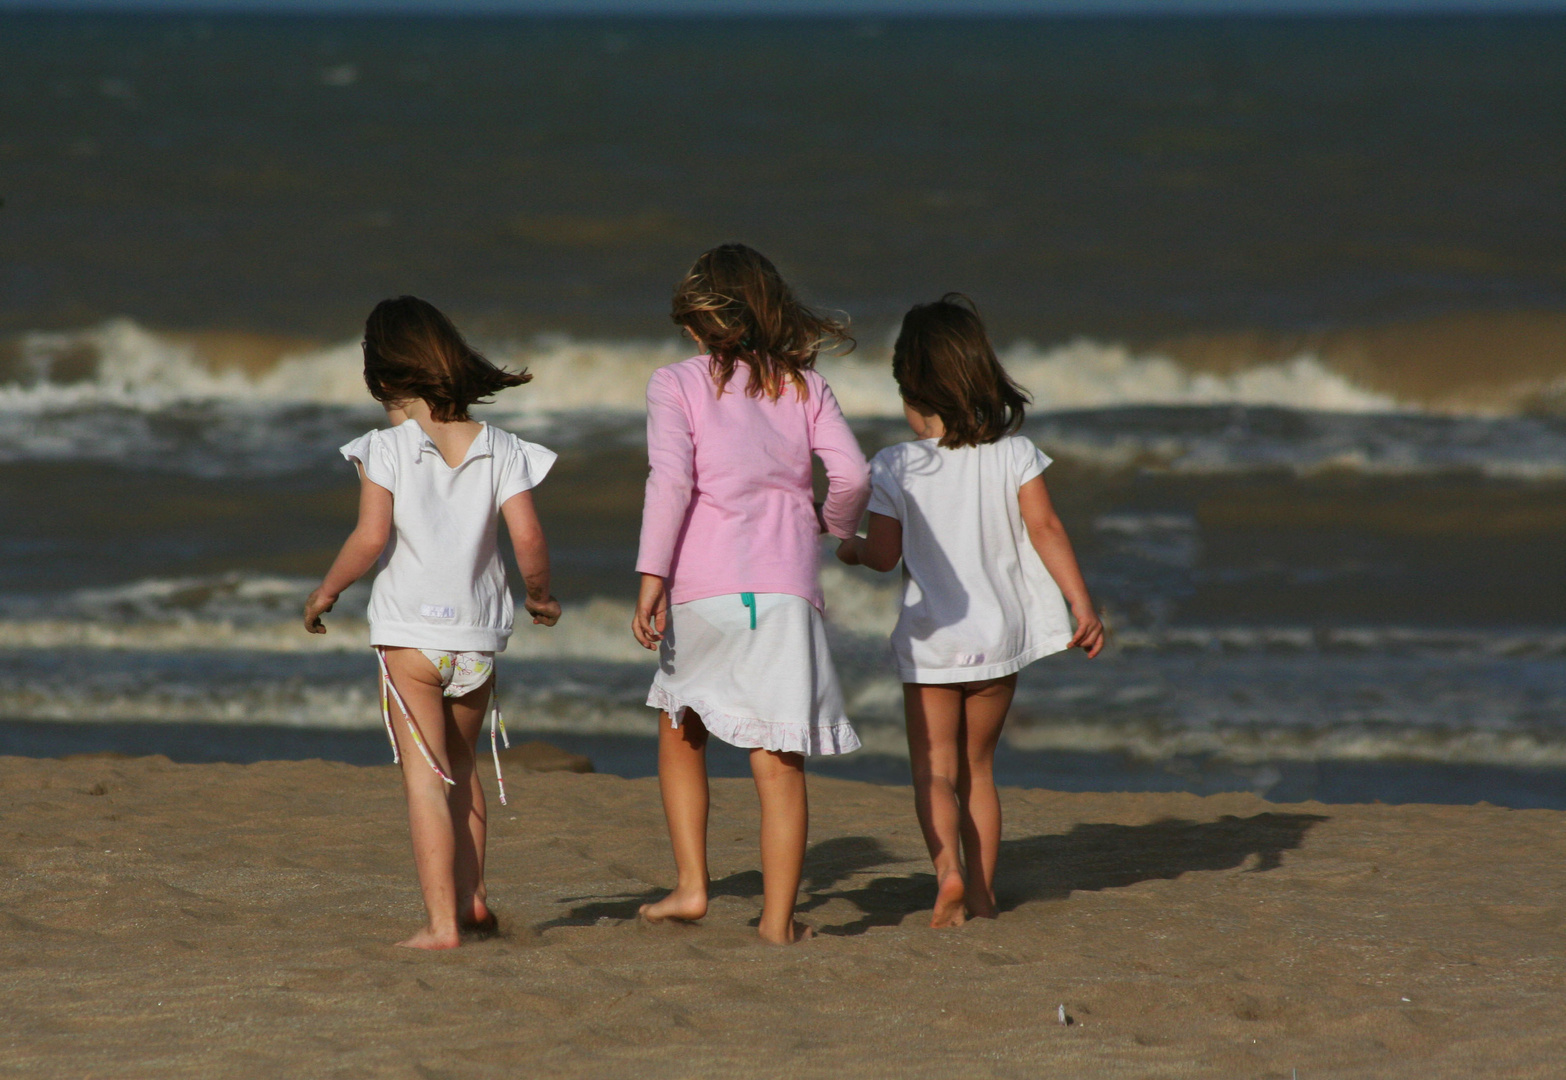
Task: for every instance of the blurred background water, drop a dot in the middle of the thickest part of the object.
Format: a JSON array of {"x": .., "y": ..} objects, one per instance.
[{"x": 1290, "y": 295}]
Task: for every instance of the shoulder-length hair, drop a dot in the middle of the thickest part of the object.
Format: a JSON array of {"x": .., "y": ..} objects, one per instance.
[
  {"x": 412, "y": 350},
  {"x": 944, "y": 364},
  {"x": 738, "y": 306}
]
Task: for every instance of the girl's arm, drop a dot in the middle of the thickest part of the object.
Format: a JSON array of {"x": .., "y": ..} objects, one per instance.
[
  {"x": 1054, "y": 547},
  {"x": 671, "y": 475},
  {"x": 652, "y": 612},
  {"x": 532, "y": 552},
  {"x": 363, "y": 546},
  {"x": 671, "y": 478},
  {"x": 880, "y": 550},
  {"x": 848, "y": 477}
]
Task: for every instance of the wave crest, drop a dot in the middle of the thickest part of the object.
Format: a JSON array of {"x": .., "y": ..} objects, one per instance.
[{"x": 123, "y": 364}]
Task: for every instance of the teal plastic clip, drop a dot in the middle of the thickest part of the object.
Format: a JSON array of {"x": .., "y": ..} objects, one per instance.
[{"x": 749, "y": 600}]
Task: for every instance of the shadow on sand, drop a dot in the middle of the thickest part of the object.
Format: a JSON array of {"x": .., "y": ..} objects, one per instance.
[{"x": 1049, "y": 867}]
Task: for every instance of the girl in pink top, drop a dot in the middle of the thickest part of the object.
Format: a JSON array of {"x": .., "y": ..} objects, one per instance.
[{"x": 729, "y": 549}]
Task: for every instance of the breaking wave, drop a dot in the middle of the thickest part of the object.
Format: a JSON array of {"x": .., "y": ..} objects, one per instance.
[
  {"x": 125, "y": 365},
  {"x": 226, "y": 404}
]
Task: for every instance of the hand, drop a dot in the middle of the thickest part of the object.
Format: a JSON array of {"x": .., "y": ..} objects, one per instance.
[
  {"x": 1090, "y": 631},
  {"x": 652, "y": 612},
  {"x": 318, "y": 604},
  {"x": 544, "y": 612},
  {"x": 848, "y": 551}
]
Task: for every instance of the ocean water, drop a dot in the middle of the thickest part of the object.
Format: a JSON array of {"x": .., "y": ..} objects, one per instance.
[{"x": 1288, "y": 295}]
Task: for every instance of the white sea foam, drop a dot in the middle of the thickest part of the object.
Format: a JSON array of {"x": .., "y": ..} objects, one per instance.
[
  {"x": 1340, "y": 742},
  {"x": 354, "y": 705},
  {"x": 229, "y": 649},
  {"x": 121, "y": 394},
  {"x": 121, "y": 363},
  {"x": 262, "y": 614},
  {"x": 240, "y": 612}
]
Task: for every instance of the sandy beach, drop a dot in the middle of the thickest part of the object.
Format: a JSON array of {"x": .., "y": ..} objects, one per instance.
[{"x": 166, "y": 920}]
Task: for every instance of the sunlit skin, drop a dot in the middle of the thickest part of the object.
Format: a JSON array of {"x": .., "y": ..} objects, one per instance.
[
  {"x": 953, "y": 728},
  {"x": 446, "y": 822}
]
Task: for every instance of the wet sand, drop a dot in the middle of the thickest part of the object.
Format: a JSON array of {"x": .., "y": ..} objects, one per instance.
[{"x": 162, "y": 920}]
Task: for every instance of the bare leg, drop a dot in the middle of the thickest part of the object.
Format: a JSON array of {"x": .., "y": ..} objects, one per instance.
[
  {"x": 469, "y": 813},
  {"x": 984, "y": 707},
  {"x": 934, "y": 716},
  {"x": 682, "y": 779},
  {"x": 785, "y": 825},
  {"x": 429, "y": 806}
]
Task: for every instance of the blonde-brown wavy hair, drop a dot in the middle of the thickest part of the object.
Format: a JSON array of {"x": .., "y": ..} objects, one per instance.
[
  {"x": 738, "y": 306},
  {"x": 412, "y": 350},
  {"x": 945, "y": 365}
]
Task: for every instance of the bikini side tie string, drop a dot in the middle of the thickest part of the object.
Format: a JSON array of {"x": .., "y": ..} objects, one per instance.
[
  {"x": 496, "y": 721},
  {"x": 391, "y": 735},
  {"x": 749, "y": 600},
  {"x": 418, "y": 740}
]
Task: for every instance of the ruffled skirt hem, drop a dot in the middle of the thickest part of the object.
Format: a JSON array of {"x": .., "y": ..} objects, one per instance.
[{"x": 821, "y": 738}]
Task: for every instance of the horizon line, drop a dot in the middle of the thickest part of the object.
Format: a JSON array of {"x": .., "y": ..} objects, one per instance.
[{"x": 854, "y": 9}]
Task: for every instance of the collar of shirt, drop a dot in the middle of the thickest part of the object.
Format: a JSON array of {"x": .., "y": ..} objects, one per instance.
[{"x": 480, "y": 447}]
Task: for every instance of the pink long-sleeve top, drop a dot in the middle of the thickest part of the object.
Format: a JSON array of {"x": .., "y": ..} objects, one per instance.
[{"x": 729, "y": 507}]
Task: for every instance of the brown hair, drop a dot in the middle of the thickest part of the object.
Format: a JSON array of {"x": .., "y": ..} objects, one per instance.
[
  {"x": 944, "y": 364},
  {"x": 411, "y": 350},
  {"x": 739, "y": 307}
]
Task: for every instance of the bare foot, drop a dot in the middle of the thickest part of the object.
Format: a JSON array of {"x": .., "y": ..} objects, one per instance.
[
  {"x": 680, "y": 906},
  {"x": 949, "y": 910},
  {"x": 430, "y": 939},
  {"x": 797, "y": 932}
]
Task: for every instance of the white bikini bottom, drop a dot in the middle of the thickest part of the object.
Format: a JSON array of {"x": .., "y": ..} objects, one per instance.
[{"x": 461, "y": 673}]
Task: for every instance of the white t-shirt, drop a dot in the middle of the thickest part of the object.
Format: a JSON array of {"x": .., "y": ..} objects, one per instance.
[
  {"x": 977, "y": 601},
  {"x": 441, "y": 583}
]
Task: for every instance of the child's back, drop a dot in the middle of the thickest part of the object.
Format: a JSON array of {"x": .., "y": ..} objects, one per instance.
[
  {"x": 729, "y": 505},
  {"x": 977, "y": 600},
  {"x": 442, "y": 584}
]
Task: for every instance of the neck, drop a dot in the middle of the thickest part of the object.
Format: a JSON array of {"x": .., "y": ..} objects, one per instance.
[
  {"x": 927, "y": 427},
  {"x": 419, "y": 410}
]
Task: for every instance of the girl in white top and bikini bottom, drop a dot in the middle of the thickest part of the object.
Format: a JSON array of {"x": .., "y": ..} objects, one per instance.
[
  {"x": 430, "y": 490},
  {"x": 985, "y": 565}
]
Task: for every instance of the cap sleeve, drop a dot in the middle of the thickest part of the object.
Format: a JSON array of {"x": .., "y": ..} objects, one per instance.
[
  {"x": 522, "y": 468},
  {"x": 373, "y": 454},
  {"x": 1030, "y": 460},
  {"x": 886, "y": 494}
]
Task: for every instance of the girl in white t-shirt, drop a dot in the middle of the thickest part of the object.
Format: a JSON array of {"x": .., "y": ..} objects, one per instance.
[
  {"x": 430, "y": 490},
  {"x": 988, "y": 572}
]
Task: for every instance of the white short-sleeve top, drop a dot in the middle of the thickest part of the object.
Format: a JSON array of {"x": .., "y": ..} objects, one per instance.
[
  {"x": 441, "y": 583},
  {"x": 977, "y": 600}
]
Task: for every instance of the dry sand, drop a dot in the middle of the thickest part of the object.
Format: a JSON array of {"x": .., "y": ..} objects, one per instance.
[{"x": 164, "y": 920}]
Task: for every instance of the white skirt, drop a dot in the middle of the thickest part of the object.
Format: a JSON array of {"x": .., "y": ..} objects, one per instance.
[{"x": 772, "y": 687}]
